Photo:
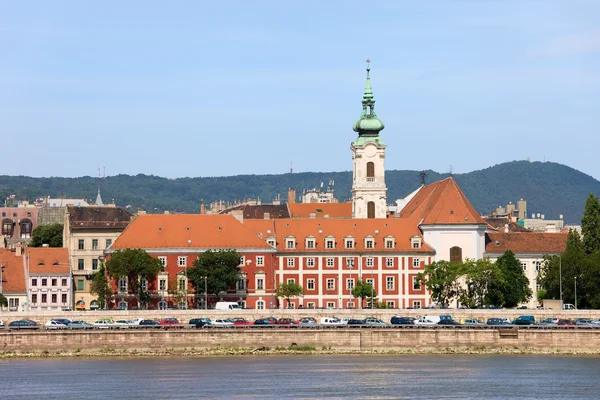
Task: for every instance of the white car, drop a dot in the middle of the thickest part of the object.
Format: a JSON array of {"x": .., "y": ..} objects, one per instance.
[
  {"x": 123, "y": 323},
  {"x": 330, "y": 321},
  {"x": 135, "y": 321},
  {"x": 222, "y": 323},
  {"x": 53, "y": 324},
  {"x": 105, "y": 323}
]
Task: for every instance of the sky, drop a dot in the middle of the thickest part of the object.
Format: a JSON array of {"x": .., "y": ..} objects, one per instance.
[{"x": 198, "y": 88}]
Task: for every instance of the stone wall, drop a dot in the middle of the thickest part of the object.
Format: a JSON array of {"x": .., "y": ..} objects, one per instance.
[{"x": 335, "y": 338}]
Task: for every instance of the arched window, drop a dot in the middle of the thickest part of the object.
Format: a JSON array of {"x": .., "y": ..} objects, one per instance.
[
  {"x": 26, "y": 228},
  {"x": 370, "y": 169},
  {"x": 7, "y": 227},
  {"x": 371, "y": 209},
  {"x": 455, "y": 255}
]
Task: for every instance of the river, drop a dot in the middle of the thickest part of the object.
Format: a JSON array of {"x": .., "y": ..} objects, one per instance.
[{"x": 303, "y": 377}]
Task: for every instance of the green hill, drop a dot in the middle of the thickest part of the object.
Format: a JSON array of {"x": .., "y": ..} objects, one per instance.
[{"x": 549, "y": 188}]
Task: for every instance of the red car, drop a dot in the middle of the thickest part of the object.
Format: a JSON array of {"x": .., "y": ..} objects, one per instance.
[
  {"x": 170, "y": 323},
  {"x": 565, "y": 322},
  {"x": 286, "y": 321},
  {"x": 240, "y": 322}
]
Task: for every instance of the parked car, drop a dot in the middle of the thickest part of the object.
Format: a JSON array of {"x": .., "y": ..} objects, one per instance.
[
  {"x": 222, "y": 323},
  {"x": 330, "y": 321},
  {"x": 596, "y": 322},
  {"x": 286, "y": 321},
  {"x": 149, "y": 323},
  {"x": 547, "y": 323},
  {"x": 497, "y": 321},
  {"x": 375, "y": 323},
  {"x": 123, "y": 324},
  {"x": 240, "y": 321},
  {"x": 583, "y": 322},
  {"x": 264, "y": 321},
  {"x": 308, "y": 323},
  {"x": 104, "y": 323},
  {"x": 1, "y": 324},
  {"x": 54, "y": 324},
  {"x": 135, "y": 321},
  {"x": 396, "y": 320},
  {"x": 199, "y": 322},
  {"x": 23, "y": 324},
  {"x": 449, "y": 322},
  {"x": 355, "y": 323},
  {"x": 473, "y": 322},
  {"x": 565, "y": 322},
  {"x": 168, "y": 323},
  {"x": 80, "y": 325},
  {"x": 524, "y": 320}
]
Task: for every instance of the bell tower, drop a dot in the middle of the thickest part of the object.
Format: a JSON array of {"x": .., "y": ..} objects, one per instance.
[{"x": 368, "y": 156}]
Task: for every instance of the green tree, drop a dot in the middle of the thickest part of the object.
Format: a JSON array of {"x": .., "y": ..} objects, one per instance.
[
  {"x": 363, "y": 290},
  {"x": 513, "y": 282},
  {"x": 101, "y": 286},
  {"x": 135, "y": 265},
  {"x": 221, "y": 269},
  {"x": 3, "y": 301},
  {"x": 590, "y": 225},
  {"x": 480, "y": 276},
  {"x": 442, "y": 280},
  {"x": 177, "y": 291},
  {"x": 288, "y": 290},
  {"x": 50, "y": 234}
]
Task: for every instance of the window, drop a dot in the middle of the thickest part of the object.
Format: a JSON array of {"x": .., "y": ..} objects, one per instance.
[
  {"x": 370, "y": 171},
  {"x": 370, "y": 262},
  {"x": 260, "y": 305},
  {"x": 63, "y": 282},
  {"x": 330, "y": 262},
  {"x": 7, "y": 227},
  {"x": 80, "y": 284},
  {"x": 13, "y": 303},
  {"x": 291, "y": 280},
  {"x": 330, "y": 284},
  {"x": 162, "y": 284},
  {"x": 108, "y": 243},
  {"x": 389, "y": 243},
  {"x": 163, "y": 260},
  {"x": 54, "y": 281},
  {"x": 416, "y": 242},
  {"x": 271, "y": 242},
  {"x": 44, "y": 298},
  {"x": 369, "y": 243},
  {"x": 538, "y": 287},
  {"x": 416, "y": 263},
  {"x": 310, "y": 243},
  {"x": 144, "y": 284},
  {"x": 81, "y": 244},
  {"x": 290, "y": 244},
  {"x": 415, "y": 283},
  {"x": 389, "y": 262},
  {"x": 369, "y": 281},
  {"x": 391, "y": 304},
  {"x": 260, "y": 261},
  {"x": 241, "y": 285},
  {"x": 123, "y": 285},
  {"x": 181, "y": 284},
  {"x": 350, "y": 304},
  {"x": 538, "y": 265},
  {"x": 455, "y": 255},
  {"x": 182, "y": 261},
  {"x": 44, "y": 282},
  {"x": 416, "y": 304},
  {"x": 54, "y": 298},
  {"x": 330, "y": 244},
  {"x": 242, "y": 261},
  {"x": 349, "y": 243},
  {"x": 330, "y": 304},
  {"x": 34, "y": 298},
  {"x": 80, "y": 264},
  {"x": 34, "y": 282},
  {"x": 370, "y": 209},
  {"x": 290, "y": 262},
  {"x": 26, "y": 228},
  {"x": 63, "y": 298},
  {"x": 310, "y": 262},
  {"x": 260, "y": 284},
  {"x": 389, "y": 283},
  {"x": 95, "y": 264},
  {"x": 350, "y": 283},
  {"x": 349, "y": 262},
  {"x": 94, "y": 244},
  {"x": 524, "y": 265},
  {"x": 310, "y": 304},
  {"x": 310, "y": 284}
]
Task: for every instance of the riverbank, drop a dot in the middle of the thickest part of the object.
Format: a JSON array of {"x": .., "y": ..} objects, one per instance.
[{"x": 266, "y": 352}]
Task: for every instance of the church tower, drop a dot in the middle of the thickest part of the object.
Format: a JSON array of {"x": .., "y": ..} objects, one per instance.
[{"x": 368, "y": 156}]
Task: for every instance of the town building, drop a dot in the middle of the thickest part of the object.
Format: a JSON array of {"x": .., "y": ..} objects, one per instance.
[
  {"x": 88, "y": 231},
  {"x": 49, "y": 281},
  {"x": 18, "y": 224},
  {"x": 13, "y": 282}
]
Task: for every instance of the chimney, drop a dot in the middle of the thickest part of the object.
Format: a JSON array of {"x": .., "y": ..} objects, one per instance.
[
  {"x": 291, "y": 196},
  {"x": 312, "y": 215},
  {"x": 238, "y": 214},
  {"x": 202, "y": 208},
  {"x": 267, "y": 216},
  {"x": 18, "y": 250},
  {"x": 506, "y": 230}
]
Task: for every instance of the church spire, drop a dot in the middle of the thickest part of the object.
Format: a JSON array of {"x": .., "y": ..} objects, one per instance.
[
  {"x": 368, "y": 124},
  {"x": 99, "y": 199}
]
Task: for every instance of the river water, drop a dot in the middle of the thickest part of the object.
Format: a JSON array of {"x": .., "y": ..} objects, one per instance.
[{"x": 304, "y": 377}]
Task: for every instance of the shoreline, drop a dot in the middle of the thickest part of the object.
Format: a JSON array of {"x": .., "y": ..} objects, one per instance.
[{"x": 266, "y": 352}]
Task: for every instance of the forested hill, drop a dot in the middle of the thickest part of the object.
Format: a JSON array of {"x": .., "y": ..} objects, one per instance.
[{"x": 549, "y": 188}]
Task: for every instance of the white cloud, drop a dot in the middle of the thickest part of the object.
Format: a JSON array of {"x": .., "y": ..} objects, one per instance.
[{"x": 571, "y": 45}]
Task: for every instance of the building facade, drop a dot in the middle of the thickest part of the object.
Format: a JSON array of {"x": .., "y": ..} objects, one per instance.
[{"x": 49, "y": 280}]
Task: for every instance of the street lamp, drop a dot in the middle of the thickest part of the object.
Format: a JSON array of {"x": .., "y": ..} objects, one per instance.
[
  {"x": 560, "y": 278},
  {"x": 205, "y": 294},
  {"x": 575, "y": 292}
]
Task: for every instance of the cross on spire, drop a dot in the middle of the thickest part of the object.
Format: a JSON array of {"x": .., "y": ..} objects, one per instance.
[{"x": 368, "y": 64}]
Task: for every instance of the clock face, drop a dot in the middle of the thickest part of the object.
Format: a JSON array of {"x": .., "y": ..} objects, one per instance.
[{"x": 370, "y": 151}]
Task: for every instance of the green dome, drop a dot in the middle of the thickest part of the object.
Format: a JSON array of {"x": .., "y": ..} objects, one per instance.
[{"x": 368, "y": 124}]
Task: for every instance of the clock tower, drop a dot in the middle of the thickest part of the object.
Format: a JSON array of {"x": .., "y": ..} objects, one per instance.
[{"x": 368, "y": 156}]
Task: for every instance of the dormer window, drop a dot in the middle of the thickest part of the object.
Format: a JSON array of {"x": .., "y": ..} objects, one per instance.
[
  {"x": 271, "y": 242},
  {"x": 290, "y": 243},
  {"x": 330, "y": 243},
  {"x": 389, "y": 243},
  {"x": 369, "y": 243},
  {"x": 349, "y": 243},
  {"x": 415, "y": 242},
  {"x": 310, "y": 243}
]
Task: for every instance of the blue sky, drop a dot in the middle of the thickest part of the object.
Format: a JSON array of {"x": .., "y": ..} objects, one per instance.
[{"x": 233, "y": 87}]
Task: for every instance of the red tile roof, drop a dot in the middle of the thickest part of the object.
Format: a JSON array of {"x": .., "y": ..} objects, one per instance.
[
  {"x": 48, "y": 260},
  {"x": 13, "y": 276},
  {"x": 400, "y": 229},
  {"x": 321, "y": 210},
  {"x": 498, "y": 223},
  {"x": 526, "y": 242},
  {"x": 188, "y": 231},
  {"x": 110, "y": 218},
  {"x": 441, "y": 202}
]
